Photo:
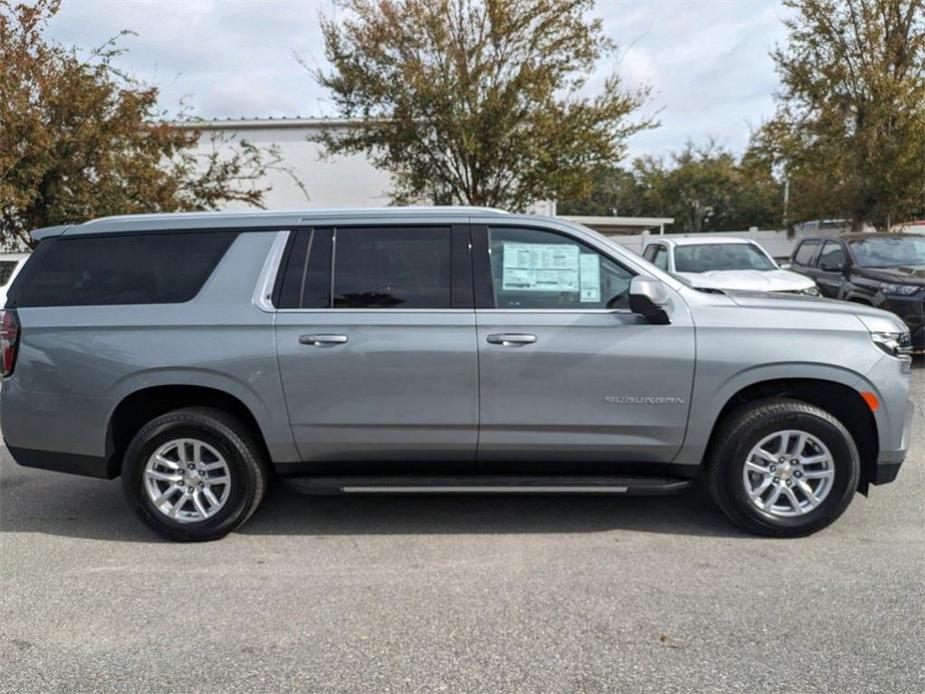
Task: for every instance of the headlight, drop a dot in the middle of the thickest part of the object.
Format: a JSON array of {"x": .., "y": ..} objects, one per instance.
[
  {"x": 810, "y": 291},
  {"x": 900, "y": 289},
  {"x": 895, "y": 344}
]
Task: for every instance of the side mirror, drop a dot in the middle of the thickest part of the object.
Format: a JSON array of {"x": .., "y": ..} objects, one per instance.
[
  {"x": 649, "y": 297},
  {"x": 832, "y": 267}
]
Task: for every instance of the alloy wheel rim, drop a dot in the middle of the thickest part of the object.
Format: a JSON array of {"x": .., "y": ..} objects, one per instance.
[
  {"x": 788, "y": 473},
  {"x": 187, "y": 480}
]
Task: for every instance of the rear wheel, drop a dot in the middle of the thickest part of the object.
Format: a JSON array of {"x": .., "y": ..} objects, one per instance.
[
  {"x": 783, "y": 468},
  {"x": 194, "y": 474}
]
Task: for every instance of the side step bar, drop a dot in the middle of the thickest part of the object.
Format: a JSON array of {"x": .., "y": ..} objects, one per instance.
[{"x": 501, "y": 484}]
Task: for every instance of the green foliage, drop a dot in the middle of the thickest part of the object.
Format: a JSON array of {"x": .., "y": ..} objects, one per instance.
[
  {"x": 703, "y": 188},
  {"x": 477, "y": 102},
  {"x": 78, "y": 139},
  {"x": 849, "y": 130}
]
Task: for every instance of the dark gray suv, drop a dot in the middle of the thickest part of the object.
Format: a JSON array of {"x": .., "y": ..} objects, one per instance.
[{"x": 433, "y": 351}]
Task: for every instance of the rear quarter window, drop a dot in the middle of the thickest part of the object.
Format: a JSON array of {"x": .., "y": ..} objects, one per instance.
[{"x": 159, "y": 268}]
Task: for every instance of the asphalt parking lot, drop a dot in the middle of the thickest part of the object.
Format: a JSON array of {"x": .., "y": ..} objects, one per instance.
[{"x": 460, "y": 594}]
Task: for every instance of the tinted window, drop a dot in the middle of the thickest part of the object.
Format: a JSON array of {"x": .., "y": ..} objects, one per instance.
[
  {"x": 661, "y": 258},
  {"x": 649, "y": 253},
  {"x": 123, "y": 269},
  {"x": 541, "y": 269},
  {"x": 392, "y": 268},
  {"x": 6, "y": 270},
  {"x": 721, "y": 256},
  {"x": 806, "y": 252},
  {"x": 889, "y": 251},
  {"x": 832, "y": 256},
  {"x": 305, "y": 275}
]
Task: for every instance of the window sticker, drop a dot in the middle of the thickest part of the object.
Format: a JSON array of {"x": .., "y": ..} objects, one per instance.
[
  {"x": 540, "y": 267},
  {"x": 589, "y": 265}
]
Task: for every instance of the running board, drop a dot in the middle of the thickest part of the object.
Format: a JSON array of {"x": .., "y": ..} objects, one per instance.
[{"x": 469, "y": 484}]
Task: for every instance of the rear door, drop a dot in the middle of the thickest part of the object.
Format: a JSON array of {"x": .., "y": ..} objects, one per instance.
[
  {"x": 376, "y": 342},
  {"x": 568, "y": 373}
]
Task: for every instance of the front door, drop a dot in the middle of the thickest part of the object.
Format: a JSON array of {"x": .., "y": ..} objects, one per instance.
[
  {"x": 830, "y": 274},
  {"x": 568, "y": 373},
  {"x": 376, "y": 343}
]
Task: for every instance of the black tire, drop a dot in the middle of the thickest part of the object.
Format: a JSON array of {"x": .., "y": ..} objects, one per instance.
[
  {"x": 229, "y": 436},
  {"x": 746, "y": 427}
]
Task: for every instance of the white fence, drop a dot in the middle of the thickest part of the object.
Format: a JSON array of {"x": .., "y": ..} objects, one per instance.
[{"x": 775, "y": 242}]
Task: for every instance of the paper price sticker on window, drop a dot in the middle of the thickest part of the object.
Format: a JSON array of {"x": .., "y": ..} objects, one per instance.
[
  {"x": 589, "y": 265},
  {"x": 540, "y": 267}
]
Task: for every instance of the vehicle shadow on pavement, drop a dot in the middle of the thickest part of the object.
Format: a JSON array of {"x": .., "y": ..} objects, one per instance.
[
  {"x": 40, "y": 502},
  {"x": 288, "y": 512}
]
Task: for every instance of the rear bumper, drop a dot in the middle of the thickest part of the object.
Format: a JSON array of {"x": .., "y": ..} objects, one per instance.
[
  {"x": 54, "y": 431},
  {"x": 85, "y": 465}
]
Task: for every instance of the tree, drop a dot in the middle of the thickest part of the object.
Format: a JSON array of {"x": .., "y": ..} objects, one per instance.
[
  {"x": 849, "y": 130},
  {"x": 705, "y": 188},
  {"x": 79, "y": 139},
  {"x": 477, "y": 102},
  {"x": 614, "y": 191}
]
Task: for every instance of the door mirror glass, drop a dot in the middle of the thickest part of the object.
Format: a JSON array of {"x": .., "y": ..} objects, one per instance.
[{"x": 649, "y": 298}]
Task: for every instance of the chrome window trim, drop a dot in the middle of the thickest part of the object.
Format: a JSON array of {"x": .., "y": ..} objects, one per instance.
[
  {"x": 513, "y": 311},
  {"x": 263, "y": 292},
  {"x": 555, "y": 310},
  {"x": 374, "y": 310}
]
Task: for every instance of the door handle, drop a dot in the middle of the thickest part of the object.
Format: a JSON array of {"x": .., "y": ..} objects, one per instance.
[
  {"x": 323, "y": 340},
  {"x": 512, "y": 339}
]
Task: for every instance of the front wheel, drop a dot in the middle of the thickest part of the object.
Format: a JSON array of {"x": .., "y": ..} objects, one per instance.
[
  {"x": 783, "y": 468},
  {"x": 194, "y": 474}
]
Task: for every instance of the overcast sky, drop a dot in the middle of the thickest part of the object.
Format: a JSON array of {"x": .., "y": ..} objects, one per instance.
[{"x": 706, "y": 60}]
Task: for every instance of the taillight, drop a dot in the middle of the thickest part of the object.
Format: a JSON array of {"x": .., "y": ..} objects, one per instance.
[{"x": 9, "y": 341}]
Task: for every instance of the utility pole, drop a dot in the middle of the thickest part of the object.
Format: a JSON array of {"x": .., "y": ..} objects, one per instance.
[{"x": 786, "y": 200}]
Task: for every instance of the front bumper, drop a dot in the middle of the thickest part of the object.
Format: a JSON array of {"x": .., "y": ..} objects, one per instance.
[
  {"x": 891, "y": 379},
  {"x": 912, "y": 313}
]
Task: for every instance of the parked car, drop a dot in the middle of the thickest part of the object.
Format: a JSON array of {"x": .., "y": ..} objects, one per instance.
[
  {"x": 827, "y": 227},
  {"x": 10, "y": 265},
  {"x": 914, "y": 227},
  {"x": 725, "y": 263},
  {"x": 433, "y": 351},
  {"x": 876, "y": 269}
]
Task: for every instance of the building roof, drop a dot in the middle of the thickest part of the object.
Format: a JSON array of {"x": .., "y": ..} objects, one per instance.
[
  {"x": 699, "y": 240},
  {"x": 619, "y": 225},
  {"x": 863, "y": 235},
  {"x": 263, "y": 123}
]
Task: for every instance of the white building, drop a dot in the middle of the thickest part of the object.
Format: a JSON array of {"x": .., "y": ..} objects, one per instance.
[{"x": 340, "y": 181}]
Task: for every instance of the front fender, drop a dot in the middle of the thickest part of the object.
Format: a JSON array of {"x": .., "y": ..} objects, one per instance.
[{"x": 707, "y": 404}]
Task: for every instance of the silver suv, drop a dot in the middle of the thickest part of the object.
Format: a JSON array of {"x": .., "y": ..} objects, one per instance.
[{"x": 433, "y": 351}]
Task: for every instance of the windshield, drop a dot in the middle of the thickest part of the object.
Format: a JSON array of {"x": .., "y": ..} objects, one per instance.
[
  {"x": 883, "y": 251},
  {"x": 721, "y": 256}
]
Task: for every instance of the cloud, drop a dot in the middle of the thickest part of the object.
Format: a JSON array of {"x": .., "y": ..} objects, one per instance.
[{"x": 706, "y": 60}]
